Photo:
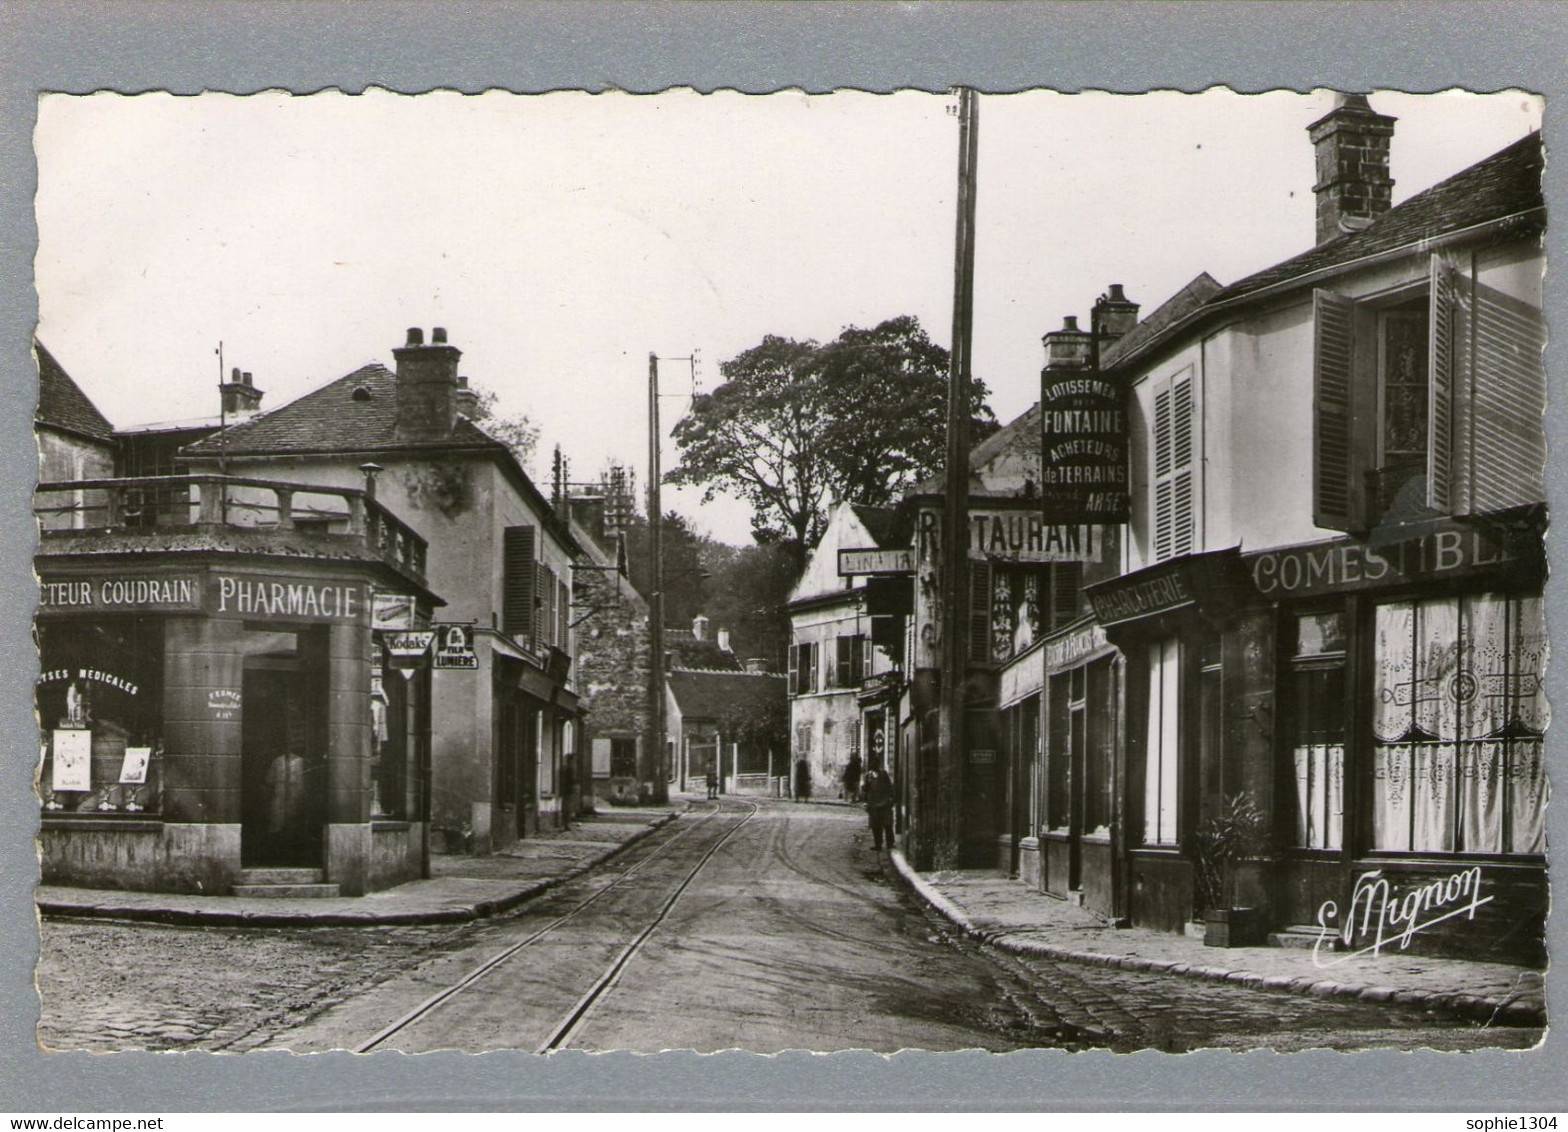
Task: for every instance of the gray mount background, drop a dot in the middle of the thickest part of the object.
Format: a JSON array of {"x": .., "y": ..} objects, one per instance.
[{"x": 411, "y": 47}]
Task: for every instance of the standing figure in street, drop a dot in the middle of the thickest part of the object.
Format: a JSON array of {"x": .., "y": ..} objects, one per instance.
[
  {"x": 802, "y": 780},
  {"x": 879, "y": 807},
  {"x": 852, "y": 778},
  {"x": 713, "y": 783}
]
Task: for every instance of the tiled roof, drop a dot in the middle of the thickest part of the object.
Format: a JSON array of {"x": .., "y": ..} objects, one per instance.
[
  {"x": 713, "y": 695},
  {"x": 878, "y": 521},
  {"x": 1505, "y": 184},
  {"x": 333, "y": 419},
  {"x": 1178, "y": 306},
  {"x": 63, "y": 405},
  {"x": 688, "y": 652}
]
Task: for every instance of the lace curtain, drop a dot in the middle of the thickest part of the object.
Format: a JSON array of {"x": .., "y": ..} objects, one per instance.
[{"x": 1458, "y": 711}]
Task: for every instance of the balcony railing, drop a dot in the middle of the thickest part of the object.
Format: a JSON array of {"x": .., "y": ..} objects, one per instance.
[{"x": 176, "y": 504}]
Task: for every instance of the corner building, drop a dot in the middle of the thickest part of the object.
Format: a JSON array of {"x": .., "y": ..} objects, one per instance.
[
  {"x": 505, "y": 729},
  {"x": 1330, "y": 596}
]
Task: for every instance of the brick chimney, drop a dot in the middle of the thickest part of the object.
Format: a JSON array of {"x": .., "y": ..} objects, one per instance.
[
  {"x": 466, "y": 400},
  {"x": 1067, "y": 348},
  {"x": 1113, "y": 315},
  {"x": 241, "y": 398},
  {"x": 427, "y": 386},
  {"x": 724, "y": 640},
  {"x": 699, "y": 627},
  {"x": 1353, "y": 186}
]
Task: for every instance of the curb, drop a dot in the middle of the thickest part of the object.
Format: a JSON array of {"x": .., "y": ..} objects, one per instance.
[
  {"x": 1510, "y": 1010},
  {"x": 217, "y": 917}
]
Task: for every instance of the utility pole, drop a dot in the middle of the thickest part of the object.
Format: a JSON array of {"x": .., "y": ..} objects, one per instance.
[
  {"x": 657, "y": 739},
  {"x": 947, "y": 849}
]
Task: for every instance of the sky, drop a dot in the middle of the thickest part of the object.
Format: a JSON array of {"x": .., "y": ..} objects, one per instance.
[{"x": 561, "y": 238}]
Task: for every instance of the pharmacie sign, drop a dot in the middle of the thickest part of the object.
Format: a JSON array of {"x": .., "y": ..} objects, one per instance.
[
  {"x": 216, "y": 593},
  {"x": 1005, "y": 535},
  {"x": 1083, "y": 449}
]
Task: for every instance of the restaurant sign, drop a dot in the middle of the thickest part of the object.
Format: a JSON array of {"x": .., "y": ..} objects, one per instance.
[
  {"x": 1007, "y": 535},
  {"x": 1083, "y": 449}
]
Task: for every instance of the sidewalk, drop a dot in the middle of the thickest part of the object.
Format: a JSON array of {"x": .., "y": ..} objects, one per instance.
[
  {"x": 1008, "y": 914},
  {"x": 459, "y": 888}
]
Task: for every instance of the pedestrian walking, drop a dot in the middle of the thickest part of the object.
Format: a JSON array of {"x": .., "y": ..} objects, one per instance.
[
  {"x": 852, "y": 778},
  {"x": 879, "y": 807},
  {"x": 713, "y": 783},
  {"x": 802, "y": 780}
]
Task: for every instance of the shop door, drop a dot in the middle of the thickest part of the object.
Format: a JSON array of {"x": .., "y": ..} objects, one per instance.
[
  {"x": 1077, "y": 741},
  {"x": 283, "y": 767}
]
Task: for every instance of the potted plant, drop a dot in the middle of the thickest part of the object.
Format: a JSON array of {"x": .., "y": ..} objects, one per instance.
[{"x": 1225, "y": 842}]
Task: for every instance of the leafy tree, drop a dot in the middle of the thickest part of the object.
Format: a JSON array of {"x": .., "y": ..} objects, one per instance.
[
  {"x": 796, "y": 425},
  {"x": 886, "y": 391},
  {"x": 686, "y": 574},
  {"x": 747, "y": 593},
  {"x": 515, "y": 430}
]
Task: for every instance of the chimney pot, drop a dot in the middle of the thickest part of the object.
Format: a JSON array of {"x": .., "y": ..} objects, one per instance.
[
  {"x": 234, "y": 374},
  {"x": 428, "y": 400},
  {"x": 1116, "y": 295},
  {"x": 438, "y": 336},
  {"x": 1351, "y": 144},
  {"x": 1070, "y": 322},
  {"x": 245, "y": 377}
]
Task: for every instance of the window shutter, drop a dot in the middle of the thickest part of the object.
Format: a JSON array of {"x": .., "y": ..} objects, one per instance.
[
  {"x": 1508, "y": 433},
  {"x": 979, "y": 612},
  {"x": 1182, "y": 518},
  {"x": 845, "y": 665},
  {"x": 1331, "y": 378},
  {"x": 544, "y": 623},
  {"x": 1440, "y": 378},
  {"x": 1174, "y": 521},
  {"x": 794, "y": 670},
  {"x": 517, "y": 564},
  {"x": 1162, "y": 473},
  {"x": 563, "y": 612},
  {"x": 1066, "y": 581},
  {"x": 811, "y": 666}
]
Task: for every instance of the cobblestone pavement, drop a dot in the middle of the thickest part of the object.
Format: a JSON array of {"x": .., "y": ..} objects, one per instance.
[
  {"x": 111, "y": 986},
  {"x": 1124, "y": 1010},
  {"x": 800, "y": 937}
]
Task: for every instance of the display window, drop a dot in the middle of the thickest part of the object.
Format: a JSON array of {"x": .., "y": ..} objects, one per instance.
[
  {"x": 1458, "y": 715},
  {"x": 100, "y": 710}
]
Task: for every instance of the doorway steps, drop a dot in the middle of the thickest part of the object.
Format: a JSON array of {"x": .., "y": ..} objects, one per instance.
[
  {"x": 284, "y": 884},
  {"x": 1299, "y": 936}
]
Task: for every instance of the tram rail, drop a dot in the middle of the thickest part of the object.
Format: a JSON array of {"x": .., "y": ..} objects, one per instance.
[{"x": 573, "y": 1019}]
